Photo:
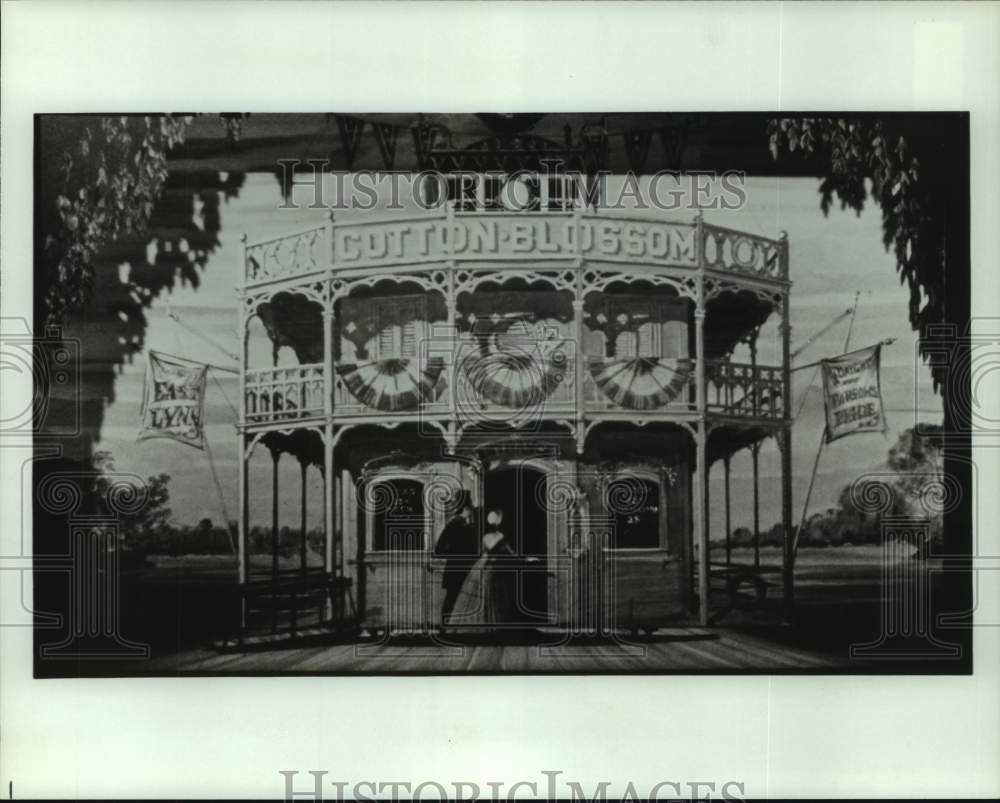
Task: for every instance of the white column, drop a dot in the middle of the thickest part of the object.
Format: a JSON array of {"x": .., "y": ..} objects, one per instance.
[
  {"x": 328, "y": 507},
  {"x": 243, "y": 527},
  {"x": 785, "y": 439},
  {"x": 580, "y": 357},
  {"x": 328, "y": 432},
  {"x": 580, "y": 367},
  {"x": 701, "y": 433},
  {"x": 451, "y": 305},
  {"x": 243, "y": 524}
]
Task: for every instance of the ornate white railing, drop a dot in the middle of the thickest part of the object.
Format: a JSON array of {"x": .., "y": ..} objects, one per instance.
[
  {"x": 738, "y": 252},
  {"x": 731, "y": 389},
  {"x": 286, "y": 257},
  {"x": 280, "y": 394},
  {"x": 744, "y": 390}
]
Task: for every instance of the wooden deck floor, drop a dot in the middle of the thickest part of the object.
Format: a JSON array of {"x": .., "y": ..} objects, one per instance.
[{"x": 680, "y": 650}]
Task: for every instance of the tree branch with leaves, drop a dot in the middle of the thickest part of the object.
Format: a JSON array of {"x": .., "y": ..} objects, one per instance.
[{"x": 905, "y": 168}]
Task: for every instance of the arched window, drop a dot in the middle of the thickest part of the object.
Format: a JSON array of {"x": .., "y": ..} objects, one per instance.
[
  {"x": 395, "y": 515},
  {"x": 643, "y": 338},
  {"x": 631, "y": 326},
  {"x": 382, "y": 328},
  {"x": 634, "y": 504},
  {"x": 398, "y": 325}
]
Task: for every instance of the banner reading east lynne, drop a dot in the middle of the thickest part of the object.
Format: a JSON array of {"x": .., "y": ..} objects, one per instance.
[
  {"x": 173, "y": 400},
  {"x": 852, "y": 393}
]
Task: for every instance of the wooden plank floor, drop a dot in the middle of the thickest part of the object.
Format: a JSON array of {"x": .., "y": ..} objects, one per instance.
[{"x": 678, "y": 650}]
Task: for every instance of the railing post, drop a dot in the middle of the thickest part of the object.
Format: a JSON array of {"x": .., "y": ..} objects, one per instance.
[{"x": 331, "y": 247}]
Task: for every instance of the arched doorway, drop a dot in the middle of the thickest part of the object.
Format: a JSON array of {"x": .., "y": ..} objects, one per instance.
[{"x": 520, "y": 491}]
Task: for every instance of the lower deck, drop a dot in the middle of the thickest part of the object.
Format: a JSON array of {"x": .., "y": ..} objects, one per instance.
[
  {"x": 845, "y": 621},
  {"x": 669, "y": 650}
]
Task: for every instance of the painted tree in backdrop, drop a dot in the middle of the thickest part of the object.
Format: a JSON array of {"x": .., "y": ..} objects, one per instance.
[
  {"x": 115, "y": 229},
  {"x": 910, "y": 168},
  {"x": 100, "y": 178}
]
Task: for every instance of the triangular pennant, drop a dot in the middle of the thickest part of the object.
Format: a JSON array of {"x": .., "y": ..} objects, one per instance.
[
  {"x": 422, "y": 137},
  {"x": 351, "y": 129},
  {"x": 385, "y": 136},
  {"x": 674, "y": 139},
  {"x": 637, "y": 148},
  {"x": 594, "y": 138}
]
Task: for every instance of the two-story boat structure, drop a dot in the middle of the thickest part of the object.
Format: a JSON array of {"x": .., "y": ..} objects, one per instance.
[{"x": 571, "y": 368}]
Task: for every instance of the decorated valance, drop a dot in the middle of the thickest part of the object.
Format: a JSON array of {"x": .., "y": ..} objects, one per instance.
[
  {"x": 393, "y": 384},
  {"x": 513, "y": 379},
  {"x": 518, "y": 363},
  {"x": 641, "y": 383}
]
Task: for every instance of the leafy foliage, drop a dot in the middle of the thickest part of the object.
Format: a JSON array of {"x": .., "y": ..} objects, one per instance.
[
  {"x": 155, "y": 513},
  {"x": 133, "y": 231},
  {"x": 106, "y": 174},
  {"x": 912, "y": 180}
]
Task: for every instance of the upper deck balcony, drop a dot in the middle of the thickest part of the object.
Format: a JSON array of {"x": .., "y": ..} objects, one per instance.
[{"x": 504, "y": 316}]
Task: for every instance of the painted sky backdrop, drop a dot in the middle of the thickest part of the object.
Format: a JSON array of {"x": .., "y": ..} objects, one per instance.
[{"x": 830, "y": 258}]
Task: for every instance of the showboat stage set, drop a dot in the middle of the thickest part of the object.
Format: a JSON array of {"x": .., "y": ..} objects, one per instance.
[{"x": 570, "y": 369}]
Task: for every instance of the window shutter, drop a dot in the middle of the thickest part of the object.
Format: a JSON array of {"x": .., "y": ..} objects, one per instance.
[
  {"x": 646, "y": 345},
  {"x": 409, "y": 335},
  {"x": 625, "y": 345},
  {"x": 373, "y": 324},
  {"x": 386, "y": 336},
  {"x": 399, "y": 324}
]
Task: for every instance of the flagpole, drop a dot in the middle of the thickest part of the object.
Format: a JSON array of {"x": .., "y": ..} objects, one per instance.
[
  {"x": 211, "y": 464},
  {"x": 886, "y": 342},
  {"x": 218, "y": 488},
  {"x": 225, "y": 368},
  {"x": 812, "y": 482},
  {"x": 202, "y": 369},
  {"x": 822, "y": 438},
  {"x": 820, "y": 333},
  {"x": 193, "y": 330}
]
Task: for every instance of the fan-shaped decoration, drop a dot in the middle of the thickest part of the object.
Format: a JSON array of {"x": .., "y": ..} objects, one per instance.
[
  {"x": 394, "y": 384},
  {"x": 641, "y": 383},
  {"x": 516, "y": 378}
]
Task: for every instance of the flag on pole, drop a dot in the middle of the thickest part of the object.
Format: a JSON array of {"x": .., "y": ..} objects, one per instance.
[
  {"x": 173, "y": 400},
  {"x": 852, "y": 393}
]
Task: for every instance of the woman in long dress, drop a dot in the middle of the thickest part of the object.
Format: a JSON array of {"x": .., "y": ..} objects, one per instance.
[{"x": 488, "y": 595}]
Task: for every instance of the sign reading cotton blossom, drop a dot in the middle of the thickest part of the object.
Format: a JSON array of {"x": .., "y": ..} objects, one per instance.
[
  {"x": 173, "y": 400},
  {"x": 533, "y": 238},
  {"x": 853, "y": 394}
]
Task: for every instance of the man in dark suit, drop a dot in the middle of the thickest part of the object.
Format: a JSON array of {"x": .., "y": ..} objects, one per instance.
[{"x": 458, "y": 545}]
